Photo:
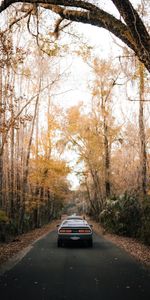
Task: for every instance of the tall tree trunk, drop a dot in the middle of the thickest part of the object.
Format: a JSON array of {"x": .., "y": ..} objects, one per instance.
[
  {"x": 10, "y": 82},
  {"x": 143, "y": 156},
  {"x": 4, "y": 150},
  {"x": 26, "y": 170},
  {"x": 92, "y": 206},
  {"x": 1, "y": 142},
  {"x": 37, "y": 133},
  {"x": 11, "y": 211},
  {"x": 37, "y": 189},
  {"x": 107, "y": 160},
  {"x": 49, "y": 146},
  {"x": 18, "y": 164},
  {"x": 98, "y": 203}
]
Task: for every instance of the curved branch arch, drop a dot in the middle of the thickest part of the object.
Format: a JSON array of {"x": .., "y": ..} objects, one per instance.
[{"x": 130, "y": 31}]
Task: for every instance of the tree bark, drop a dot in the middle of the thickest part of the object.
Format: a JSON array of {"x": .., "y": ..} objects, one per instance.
[
  {"x": 107, "y": 160},
  {"x": 12, "y": 141},
  {"x": 143, "y": 156},
  {"x": 98, "y": 203},
  {"x": 11, "y": 212},
  {"x": 1, "y": 142},
  {"x": 26, "y": 171}
]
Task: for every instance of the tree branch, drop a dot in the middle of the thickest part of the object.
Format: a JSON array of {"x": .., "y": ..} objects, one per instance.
[
  {"x": 133, "y": 22},
  {"x": 133, "y": 32},
  {"x": 100, "y": 19}
]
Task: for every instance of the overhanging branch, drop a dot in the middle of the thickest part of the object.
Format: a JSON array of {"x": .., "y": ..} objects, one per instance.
[
  {"x": 97, "y": 18},
  {"x": 132, "y": 31}
]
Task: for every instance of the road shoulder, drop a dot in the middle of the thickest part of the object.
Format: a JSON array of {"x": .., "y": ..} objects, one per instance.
[
  {"x": 11, "y": 253},
  {"x": 136, "y": 249}
]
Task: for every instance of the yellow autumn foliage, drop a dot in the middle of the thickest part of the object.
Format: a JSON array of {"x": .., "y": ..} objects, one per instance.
[{"x": 50, "y": 174}]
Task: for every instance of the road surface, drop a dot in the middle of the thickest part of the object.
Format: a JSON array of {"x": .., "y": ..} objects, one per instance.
[{"x": 104, "y": 272}]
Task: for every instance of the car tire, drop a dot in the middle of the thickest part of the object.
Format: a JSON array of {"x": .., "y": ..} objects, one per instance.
[{"x": 59, "y": 243}]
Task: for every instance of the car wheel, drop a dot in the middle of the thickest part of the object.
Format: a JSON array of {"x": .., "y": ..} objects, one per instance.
[{"x": 59, "y": 243}]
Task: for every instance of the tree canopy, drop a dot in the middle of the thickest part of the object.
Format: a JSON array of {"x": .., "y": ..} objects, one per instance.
[{"x": 129, "y": 27}]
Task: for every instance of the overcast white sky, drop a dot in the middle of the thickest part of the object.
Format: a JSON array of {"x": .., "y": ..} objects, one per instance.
[{"x": 103, "y": 46}]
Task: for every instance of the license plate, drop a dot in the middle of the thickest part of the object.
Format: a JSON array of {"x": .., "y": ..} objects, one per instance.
[{"x": 75, "y": 238}]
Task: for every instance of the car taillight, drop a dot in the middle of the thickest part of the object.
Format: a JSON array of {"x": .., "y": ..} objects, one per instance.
[
  {"x": 65, "y": 230},
  {"x": 81, "y": 230},
  {"x": 87, "y": 231},
  {"x": 84, "y": 231},
  {"x": 68, "y": 230},
  {"x": 62, "y": 230}
]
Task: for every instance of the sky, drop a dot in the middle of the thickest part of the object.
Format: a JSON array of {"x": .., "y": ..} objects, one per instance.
[
  {"x": 76, "y": 83},
  {"x": 103, "y": 46}
]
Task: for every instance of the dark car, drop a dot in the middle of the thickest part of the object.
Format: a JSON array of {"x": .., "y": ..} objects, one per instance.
[{"x": 75, "y": 230}]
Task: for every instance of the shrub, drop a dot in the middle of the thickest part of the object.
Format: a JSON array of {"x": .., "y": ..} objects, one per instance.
[
  {"x": 3, "y": 217},
  {"x": 8, "y": 227},
  {"x": 144, "y": 232},
  {"x": 122, "y": 216},
  {"x": 4, "y": 223}
]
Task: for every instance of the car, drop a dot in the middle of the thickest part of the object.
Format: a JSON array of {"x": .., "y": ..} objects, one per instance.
[{"x": 75, "y": 230}]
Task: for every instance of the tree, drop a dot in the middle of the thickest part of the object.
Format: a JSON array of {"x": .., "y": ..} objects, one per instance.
[
  {"x": 91, "y": 135},
  {"x": 130, "y": 28},
  {"x": 102, "y": 91},
  {"x": 143, "y": 154},
  {"x": 1, "y": 136},
  {"x": 27, "y": 203},
  {"x": 125, "y": 161},
  {"x": 81, "y": 136}
]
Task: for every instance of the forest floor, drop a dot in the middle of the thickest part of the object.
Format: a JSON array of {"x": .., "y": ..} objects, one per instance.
[
  {"x": 135, "y": 248},
  {"x": 9, "y": 250},
  {"x": 138, "y": 250}
]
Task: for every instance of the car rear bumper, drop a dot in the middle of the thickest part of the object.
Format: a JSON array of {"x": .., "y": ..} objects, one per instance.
[{"x": 63, "y": 238}]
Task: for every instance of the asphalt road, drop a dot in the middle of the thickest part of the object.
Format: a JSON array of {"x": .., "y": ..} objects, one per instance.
[{"x": 103, "y": 272}]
